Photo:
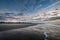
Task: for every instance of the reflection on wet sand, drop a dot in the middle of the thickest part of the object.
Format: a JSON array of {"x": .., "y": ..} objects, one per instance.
[{"x": 36, "y": 32}]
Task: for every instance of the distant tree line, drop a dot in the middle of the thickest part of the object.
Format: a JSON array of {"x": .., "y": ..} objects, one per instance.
[{"x": 16, "y": 23}]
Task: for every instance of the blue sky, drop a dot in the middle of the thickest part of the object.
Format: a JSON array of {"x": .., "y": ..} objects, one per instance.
[{"x": 25, "y": 6}]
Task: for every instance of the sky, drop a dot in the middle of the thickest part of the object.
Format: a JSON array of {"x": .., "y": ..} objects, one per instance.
[
  {"x": 25, "y": 6},
  {"x": 13, "y": 8}
]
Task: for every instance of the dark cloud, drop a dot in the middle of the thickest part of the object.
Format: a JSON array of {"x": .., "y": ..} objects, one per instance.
[
  {"x": 20, "y": 14},
  {"x": 53, "y": 18},
  {"x": 6, "y": 16},
  {"x": 2, "y": 18}
]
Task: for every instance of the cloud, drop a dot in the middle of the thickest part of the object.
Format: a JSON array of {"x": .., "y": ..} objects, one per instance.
[
  {"x": 11, "y": 17},
  {"x": 4, "y": 16},
  {"x": 54, "y": 18},
  {"x": 51, "y": 7}
]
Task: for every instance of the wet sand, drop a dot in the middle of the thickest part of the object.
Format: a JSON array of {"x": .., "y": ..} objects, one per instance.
[
  {"x": 4, "y": 27},
  {"x": 36, "y": 32}
]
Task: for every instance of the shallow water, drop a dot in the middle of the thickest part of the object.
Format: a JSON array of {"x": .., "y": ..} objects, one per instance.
[{"x": 46, "y": 35}]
